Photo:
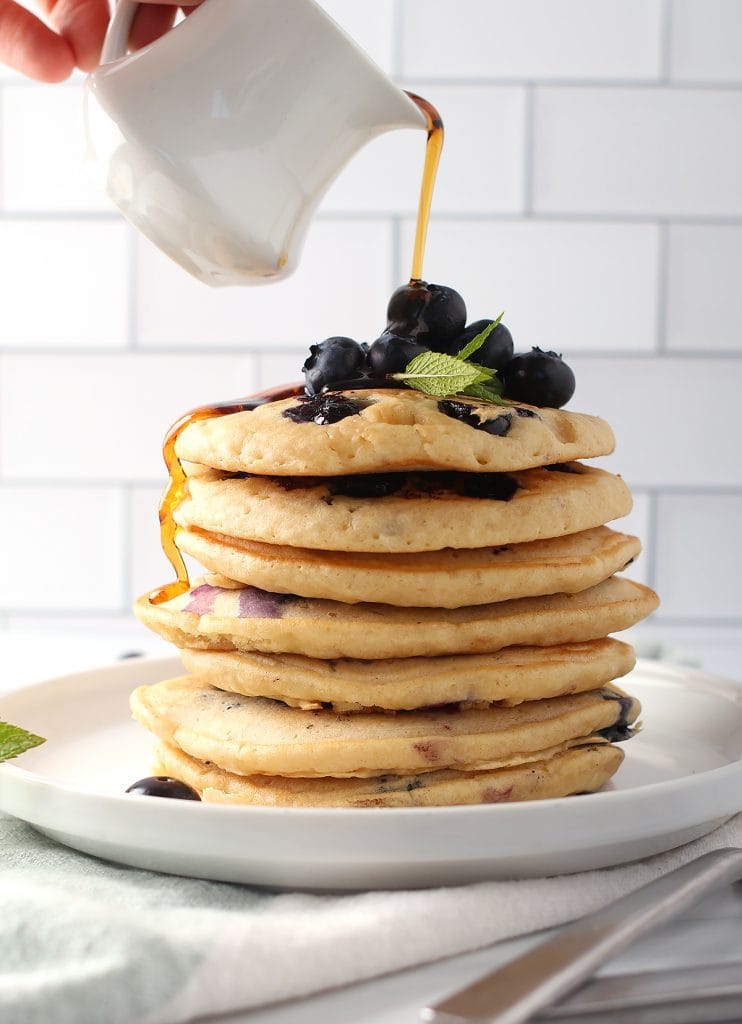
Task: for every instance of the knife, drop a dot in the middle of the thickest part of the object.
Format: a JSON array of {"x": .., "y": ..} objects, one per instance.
[{"x": 516, "y": 992}]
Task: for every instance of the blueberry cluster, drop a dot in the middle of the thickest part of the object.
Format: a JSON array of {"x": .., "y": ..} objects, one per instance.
[{"x": 425, "y": 317}]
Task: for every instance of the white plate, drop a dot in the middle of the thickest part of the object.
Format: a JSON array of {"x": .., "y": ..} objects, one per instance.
[{"x": 682, "y": 777}]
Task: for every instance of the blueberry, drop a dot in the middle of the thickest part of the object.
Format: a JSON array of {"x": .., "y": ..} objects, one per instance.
[
  {"x": 163, "y": 785},
  {"x": 432, "y": 314},
  {"x": 497, "y": 349},
  {"x": 459, "y": 411},
  {"x": 620, "y": 730},
  {"x": 391, "y": 353},
  {"x": 322, "y": 409},
  {"x": 333, "y": 359},
  {"x": 498, "y": 425},
  {"x": 539, "y": 378}
]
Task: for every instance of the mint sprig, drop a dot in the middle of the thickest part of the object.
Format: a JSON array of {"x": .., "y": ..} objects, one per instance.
[
  {"x": 442, "y": 375},
  {"x": 436, "y": 373},
  {"x": 15, "y": 741},
  {"x": 479, "y": 339}
]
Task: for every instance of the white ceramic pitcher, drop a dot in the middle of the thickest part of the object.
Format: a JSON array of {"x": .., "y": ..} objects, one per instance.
[{"x": 219, "y": 139}]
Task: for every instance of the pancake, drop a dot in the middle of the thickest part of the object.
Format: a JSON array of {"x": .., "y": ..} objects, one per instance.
[
  {"x": 405, "y": 511},
  {"x": 450, "y": 578},
  {"x": 582, "y": 769},
  {"x": 246, "y": 618},
  {"x": 253, "y": 735},
  {"x": 509, "y": 676},
  {"x": 389, "y": 430}
]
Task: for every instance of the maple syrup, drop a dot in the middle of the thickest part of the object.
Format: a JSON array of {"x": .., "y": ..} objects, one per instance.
[
  {"x": 433, "y": 148},
  {"x": 177, "y": 485}
]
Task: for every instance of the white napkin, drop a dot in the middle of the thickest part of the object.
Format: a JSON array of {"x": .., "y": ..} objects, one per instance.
[{"x": 86, "y": 942}]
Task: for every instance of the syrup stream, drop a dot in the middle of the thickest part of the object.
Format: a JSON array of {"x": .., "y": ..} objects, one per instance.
[{"x": 433, "y": 148}]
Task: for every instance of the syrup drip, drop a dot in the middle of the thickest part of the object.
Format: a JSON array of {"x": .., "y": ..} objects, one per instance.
[
  {"x": 177, "y": 487},
  {"x": 433, "y": 148}
]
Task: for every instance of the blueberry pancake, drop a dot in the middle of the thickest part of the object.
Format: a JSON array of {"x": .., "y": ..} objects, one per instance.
[
  {"x": 509, "y": 677},
  {"x": 451, "y": 578},
  {"x": 397, "y": 512},
  {"x": 247, "y": 618},
  {"x": 254, "y": 735},
  {"x": 390, "y": 430},
  {"x": 581, "y": 769}
]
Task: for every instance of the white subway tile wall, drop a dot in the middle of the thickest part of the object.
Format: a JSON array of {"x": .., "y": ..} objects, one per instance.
[{"x": 591, "y": 186}]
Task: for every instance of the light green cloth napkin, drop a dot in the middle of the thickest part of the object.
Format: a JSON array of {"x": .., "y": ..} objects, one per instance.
[{"x": 83, "y": 941}]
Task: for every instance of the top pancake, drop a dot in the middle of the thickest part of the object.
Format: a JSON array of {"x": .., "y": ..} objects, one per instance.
[{"x": 389, "y": 431}]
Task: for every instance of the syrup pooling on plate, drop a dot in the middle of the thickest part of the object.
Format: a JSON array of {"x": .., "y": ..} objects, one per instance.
[{"x": 177, "y": 485}]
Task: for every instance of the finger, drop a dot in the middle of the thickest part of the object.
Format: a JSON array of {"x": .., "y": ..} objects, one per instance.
[
  {"x": 150, "y": 23},
  {"x": 82, "y": 23},
  {"x": 30, "y": 47}
]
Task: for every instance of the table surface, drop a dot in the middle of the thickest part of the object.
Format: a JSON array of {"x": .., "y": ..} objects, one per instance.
[{"x": 709, "y": 933}]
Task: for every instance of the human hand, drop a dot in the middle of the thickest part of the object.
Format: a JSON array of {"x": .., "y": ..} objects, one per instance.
[{"x": 74, "y": 34}]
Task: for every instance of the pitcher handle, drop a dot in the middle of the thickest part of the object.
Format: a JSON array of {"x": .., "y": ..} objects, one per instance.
[{"x": 117, "y": 37}]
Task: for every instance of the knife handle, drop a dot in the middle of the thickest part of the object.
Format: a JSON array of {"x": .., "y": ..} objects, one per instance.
[{"x": 515, "y": 992}]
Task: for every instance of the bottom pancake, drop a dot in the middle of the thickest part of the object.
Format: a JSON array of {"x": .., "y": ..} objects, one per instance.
[{"x": 579, "y": 770}]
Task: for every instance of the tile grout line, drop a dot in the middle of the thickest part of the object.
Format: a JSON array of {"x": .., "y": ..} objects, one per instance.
[
  {"x": 396, "y": 260},
  {"x": 586, "y": 81},
  {"x": 652, "y": 538},
  {"x": 184, "y": 350},
  {"x": 662, "y": 291},
  {"x": 132, "y": 292},
  {"x": 631, "y": 217},
  {"x": 732, "y": 85},
  {"x": 397, "y": 40},
  {"x": 2, "y": 140},
  {"x": 127, "y": 545},
  {"x": 529, "y": 153},
  {"x": 665, "y": 42}
]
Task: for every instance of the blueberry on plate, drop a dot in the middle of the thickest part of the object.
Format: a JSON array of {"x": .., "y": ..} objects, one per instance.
[
  {"x": 432, "y": 314},
  {"x": 539, "y": 378},
  {"x": 391, "y": 353},
  {"x": 333, "y": 359},
  {"x": 163, "y": 785},
  {"x": 497, "y": 349}
]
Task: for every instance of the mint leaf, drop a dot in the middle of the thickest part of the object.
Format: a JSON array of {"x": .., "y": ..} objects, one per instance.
[
  {"x": 438, "y": 374},
  {"x": 486, "y": 393},
  {"x": 14, "y": 741},
  {"x": 479, "y": 339}
]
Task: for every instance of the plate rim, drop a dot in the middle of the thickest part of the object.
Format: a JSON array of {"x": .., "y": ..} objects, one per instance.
[{"x": 664, "y": 672}]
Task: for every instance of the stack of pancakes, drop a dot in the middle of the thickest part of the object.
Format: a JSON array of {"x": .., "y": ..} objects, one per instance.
[{"x": 408, "y": 603}]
